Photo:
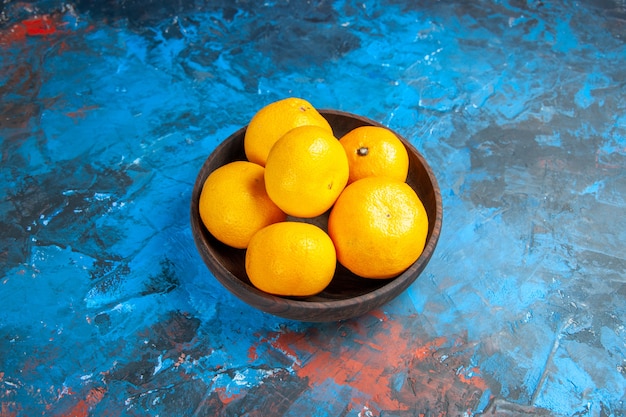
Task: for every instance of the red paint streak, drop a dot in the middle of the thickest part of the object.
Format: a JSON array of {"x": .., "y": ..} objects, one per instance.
[
  {"x": 81, "y": 113},
  {"x": 284, "y": 342},
  {"x": 83, "y": 407},
  {"x": 40, "y": 26},
  {"x": 386, "y": 368},
  {"x": 63, "y": 47},
  {"x": 472, "y": 377},
  {"x": 424, "y": 352},
  {"x": 226, "y": 397},
  {"x": 8, "y": 409},
  {"x": 252, "y": 353},
  {"x": 14, "y": 34},
  {"x": 369, "y": 368},
  {"x": 370, "y": 344},
  {"x": 379, "y": 314}
]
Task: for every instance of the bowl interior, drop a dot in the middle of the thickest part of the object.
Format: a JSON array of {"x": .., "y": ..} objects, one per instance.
[{"x": 347, "y": 295}]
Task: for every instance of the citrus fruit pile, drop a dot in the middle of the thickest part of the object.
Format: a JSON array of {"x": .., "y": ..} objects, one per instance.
[{"x": 304, "y": 200}]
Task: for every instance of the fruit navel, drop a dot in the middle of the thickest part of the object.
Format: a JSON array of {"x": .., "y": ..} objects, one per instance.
[{"x": 362, "y": 151}]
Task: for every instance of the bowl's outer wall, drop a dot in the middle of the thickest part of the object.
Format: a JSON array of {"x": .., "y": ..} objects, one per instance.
[{"x": 348, "y": 295}]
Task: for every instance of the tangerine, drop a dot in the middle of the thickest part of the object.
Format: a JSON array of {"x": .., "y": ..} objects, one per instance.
[
  {"x": 306, "y": 170},
  {"x": 234, "y": 205},
  {"x": 375, "y": 151},
  {"x": 378, "y": 226},
  {"x": 273, "y": 121},
  {"x": 291, "y": 259}
]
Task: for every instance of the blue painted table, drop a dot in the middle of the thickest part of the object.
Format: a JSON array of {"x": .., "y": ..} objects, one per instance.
[{"x": 108, "y": 110}]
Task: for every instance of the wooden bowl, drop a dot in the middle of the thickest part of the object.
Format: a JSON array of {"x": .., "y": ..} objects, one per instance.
[{"x": 348, "y": 295}]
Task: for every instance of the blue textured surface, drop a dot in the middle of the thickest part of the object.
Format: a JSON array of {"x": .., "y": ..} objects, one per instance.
[{"x": 109, "y": 109}]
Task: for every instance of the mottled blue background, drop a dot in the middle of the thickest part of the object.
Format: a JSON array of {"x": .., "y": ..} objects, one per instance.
[{"x": 108, "y": 110}]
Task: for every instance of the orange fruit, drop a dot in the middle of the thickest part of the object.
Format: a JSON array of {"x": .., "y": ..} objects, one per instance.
[
  {"x": 276, "y": 119},
  {"x": 306, "y": 170},
  {"x": 234, "y": 204},
  {"x": 291, "y": 259},
  {"x": 375, "y": 151},
  {"x": 379, "y": 227}
]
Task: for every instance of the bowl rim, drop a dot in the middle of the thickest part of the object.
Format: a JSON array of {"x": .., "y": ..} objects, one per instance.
[{"x": 275, "y": 304}]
